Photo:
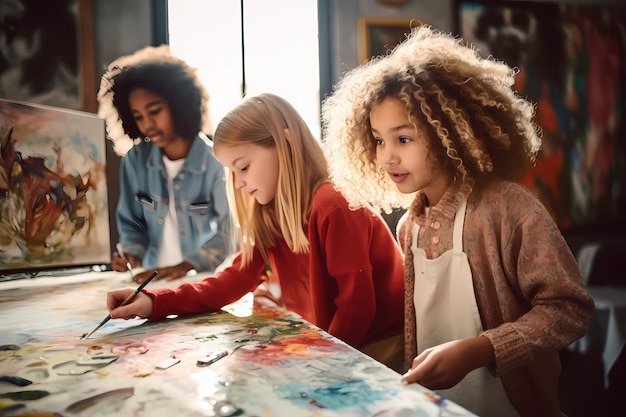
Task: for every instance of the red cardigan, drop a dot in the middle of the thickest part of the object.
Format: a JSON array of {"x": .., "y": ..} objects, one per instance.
[{"x": 351, "y": 283}]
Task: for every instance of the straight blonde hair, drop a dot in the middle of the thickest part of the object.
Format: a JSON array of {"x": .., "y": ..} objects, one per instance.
[{"x": 270, "y": 121}]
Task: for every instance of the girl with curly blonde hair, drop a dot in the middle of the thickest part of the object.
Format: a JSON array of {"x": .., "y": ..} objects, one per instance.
[{"x": 492, "y": 291}]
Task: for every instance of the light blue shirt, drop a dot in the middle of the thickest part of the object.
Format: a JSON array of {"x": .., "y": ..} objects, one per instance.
[{"x": 201, "y": 205}]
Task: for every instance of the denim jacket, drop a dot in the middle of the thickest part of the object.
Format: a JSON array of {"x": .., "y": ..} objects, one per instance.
[{"x": 201, "y": 205}]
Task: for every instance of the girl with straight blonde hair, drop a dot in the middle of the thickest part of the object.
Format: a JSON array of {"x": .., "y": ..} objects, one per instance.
[{"x": 338, "y": 268}]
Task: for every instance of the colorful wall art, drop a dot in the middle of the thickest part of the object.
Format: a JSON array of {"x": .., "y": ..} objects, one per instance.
[
  {"x": 53, "y": 188},
  {"x": 275, "y": 364},
  {"x": 571, "y": 62}
]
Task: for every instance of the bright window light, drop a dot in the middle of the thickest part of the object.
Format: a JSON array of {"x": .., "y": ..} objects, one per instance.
[{"x": 280, "y": 51}]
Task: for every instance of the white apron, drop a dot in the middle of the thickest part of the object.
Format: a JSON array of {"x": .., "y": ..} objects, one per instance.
[{"x": 446, "y": 310}]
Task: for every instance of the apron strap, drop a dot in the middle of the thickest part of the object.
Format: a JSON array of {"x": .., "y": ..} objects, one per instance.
[{"x": 459, "y": 220}]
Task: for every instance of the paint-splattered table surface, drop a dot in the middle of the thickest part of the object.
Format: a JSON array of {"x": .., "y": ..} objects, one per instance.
[{"x": 276, "y": 363}]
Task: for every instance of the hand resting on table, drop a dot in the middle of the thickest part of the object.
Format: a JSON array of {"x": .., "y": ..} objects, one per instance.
[{"x": 445, "y": 365}]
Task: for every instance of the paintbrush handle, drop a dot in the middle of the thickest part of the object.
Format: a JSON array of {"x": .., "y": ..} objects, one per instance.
[
  {"x": 133, "y": 294},
  {"x": 120, "y": 251},
  {"x": 139, "y": 288},
  {"x": 102, "y": 323},
  {"x": 127, "y": 300}
]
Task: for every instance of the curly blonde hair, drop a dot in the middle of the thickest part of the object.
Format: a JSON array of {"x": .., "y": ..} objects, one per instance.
[{"x": 478, "y": 128}]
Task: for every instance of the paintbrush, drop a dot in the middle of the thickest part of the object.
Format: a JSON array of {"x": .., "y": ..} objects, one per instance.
[
  {"x": 128, "y": 299},
  {"x": 120, "y": 251}
]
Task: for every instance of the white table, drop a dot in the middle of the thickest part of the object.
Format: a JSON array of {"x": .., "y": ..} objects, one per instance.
[{"x": 277, "y": 363}]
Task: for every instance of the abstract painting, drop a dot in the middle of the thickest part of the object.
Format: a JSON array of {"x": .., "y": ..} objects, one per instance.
[
  {"x": 572, "y": 65},
  {"x": 47, "y": 53},
  {"x": 53, "y": 189}
]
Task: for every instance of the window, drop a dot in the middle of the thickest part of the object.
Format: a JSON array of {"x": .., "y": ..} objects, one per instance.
[{"x": 279, "y": 53}]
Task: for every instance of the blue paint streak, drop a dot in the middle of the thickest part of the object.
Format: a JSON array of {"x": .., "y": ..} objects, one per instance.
[{"x": 346, "y": 394}]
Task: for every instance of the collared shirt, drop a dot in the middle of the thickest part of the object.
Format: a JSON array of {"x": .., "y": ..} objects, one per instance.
[{"x": 201, "y": 205}]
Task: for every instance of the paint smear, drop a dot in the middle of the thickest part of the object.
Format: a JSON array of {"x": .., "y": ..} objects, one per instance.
[
  {"x": 347, "y": 394},
  {"x": 9, "y": 347},
  {"x": 37, "y": 374},
  {"x": 74, "y": 368},
  {"x": 125, "y": 347},
  {"x": 289, "y": 349},
  {"x": 108, "y": 402},
  {"x": 15, "y": 380},
  {"x": 11, "y": 409},
  {"x": 25, "y": 395},
  {"x": 38, "y": 363}
]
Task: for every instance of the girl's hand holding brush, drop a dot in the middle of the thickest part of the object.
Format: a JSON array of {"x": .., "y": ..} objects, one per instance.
[{"x": 141, "y": 306}]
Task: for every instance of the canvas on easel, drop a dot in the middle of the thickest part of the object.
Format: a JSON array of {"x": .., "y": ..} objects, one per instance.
[{"x": 53, "y": 189}]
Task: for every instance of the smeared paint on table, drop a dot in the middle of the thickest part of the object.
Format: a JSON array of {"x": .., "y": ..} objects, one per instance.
[{"x": 277, "y": 364}]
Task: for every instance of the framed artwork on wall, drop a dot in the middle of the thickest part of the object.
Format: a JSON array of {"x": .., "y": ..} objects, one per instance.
[
  {"x": 379, "y": 35},
  {"x": 47, "y": 53},
  {"x": 571, "y": 62}
]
